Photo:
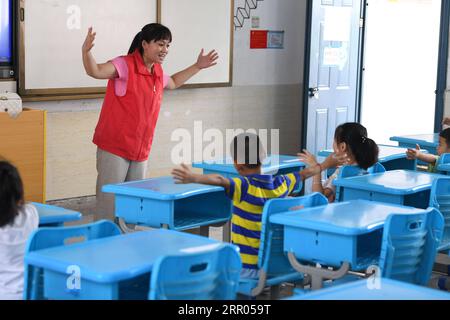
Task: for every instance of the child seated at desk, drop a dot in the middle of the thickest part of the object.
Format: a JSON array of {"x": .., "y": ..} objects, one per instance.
[
  {"x": 17, "y": 221},
  {"x": 250, "y": 192},
  {"x": 431, "y": 159},
  {"x": 350, "y": 139}
]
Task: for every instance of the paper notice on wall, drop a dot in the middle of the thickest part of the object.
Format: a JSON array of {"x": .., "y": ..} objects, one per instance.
[{"x": 337, "y": 24}]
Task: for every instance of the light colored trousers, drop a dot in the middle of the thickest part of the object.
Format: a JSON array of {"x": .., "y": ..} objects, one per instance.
[{"x": 113, "y": 169}]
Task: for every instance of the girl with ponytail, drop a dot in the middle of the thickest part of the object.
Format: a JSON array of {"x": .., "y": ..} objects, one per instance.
[
  {"x": 130, "y": 110},
  {"x": 17, "y": 221},
  {"x": 350, "y": 139}
]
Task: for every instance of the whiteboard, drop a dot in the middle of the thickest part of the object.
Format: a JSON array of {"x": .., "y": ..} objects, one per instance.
[
  {"x": 197, "y": 24},
  {"x": 53, "y": 32}
]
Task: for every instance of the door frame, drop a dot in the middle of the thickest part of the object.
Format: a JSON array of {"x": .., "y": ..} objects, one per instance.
[
  {"x": 441, "y": 86},
  {"x": 441, "y": 83}
]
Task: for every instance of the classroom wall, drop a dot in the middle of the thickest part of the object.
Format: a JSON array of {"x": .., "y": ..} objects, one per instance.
[{"x": 266, "y": 95}]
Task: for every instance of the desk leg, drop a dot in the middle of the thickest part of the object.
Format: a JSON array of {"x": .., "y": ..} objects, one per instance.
[
  {"x": 442, "y": 264},
  {"x": 204, "y": 231},
  {"x": 123, "y": 226},
  {"x": 226, "y": 232},
  {"x": 318, "y": 274}
]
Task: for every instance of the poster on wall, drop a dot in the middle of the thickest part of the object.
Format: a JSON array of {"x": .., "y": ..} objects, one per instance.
[
  {"x": 258, "y": 39},
  {"x": 265, "y": 39}
]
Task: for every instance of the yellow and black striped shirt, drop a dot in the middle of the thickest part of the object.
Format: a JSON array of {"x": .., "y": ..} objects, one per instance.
[{"x": 249, "y": 194}]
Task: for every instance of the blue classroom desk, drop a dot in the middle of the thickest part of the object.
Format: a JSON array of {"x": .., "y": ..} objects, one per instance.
[
  {"x": 105, "y": 263},
  {"x": 428, "y": 142},
  {"x": 349, "y": 231},
  {"x": 159, "y": 202},
  {"x": 392, "y": 158},
  {"x": 52, "y": 216},
  {"x": 387, "y": 289},
  {"x": 409, "y": 188}
]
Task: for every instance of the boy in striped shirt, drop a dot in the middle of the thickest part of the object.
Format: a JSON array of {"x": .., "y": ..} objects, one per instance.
[{"x": 249, "y": 192}]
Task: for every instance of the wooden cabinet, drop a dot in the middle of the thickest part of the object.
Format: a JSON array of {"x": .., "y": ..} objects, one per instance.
[{"x": 23, "y": 143}]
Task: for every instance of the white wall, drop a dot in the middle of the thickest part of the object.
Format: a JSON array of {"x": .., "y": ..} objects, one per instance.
[{"x": 271, "y": 66}]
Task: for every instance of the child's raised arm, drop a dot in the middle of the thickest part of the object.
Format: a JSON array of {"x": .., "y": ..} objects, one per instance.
[
  {"x": 184, "y": 175},
  {"x": 413, "y": 154},
  {"x": 97, "y": 71},
  {"x": 332, "y": 161}
]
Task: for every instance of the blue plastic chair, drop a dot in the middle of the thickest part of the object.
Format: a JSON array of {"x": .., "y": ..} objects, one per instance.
[
  {"x": 376, "y": 168},
  {"x": 353, "y": 171},
  {"x": 212, "y": 274},
  {"x": 49, "y": 237},
  {"x": 273, "y": 263},
  {"x": 440, "y": 199},
  {"x": 409, "y": 246},
  {"x": 444, "y": 158}
]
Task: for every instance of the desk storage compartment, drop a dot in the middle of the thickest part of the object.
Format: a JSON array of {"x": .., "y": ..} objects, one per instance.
[
  {"x": 59, "y": 286},
  {"x": 418, "y": 200},
  {"x": 358, "y": 194},
  {"x": 181, "y": 214},
  {"x": 201, "y": 210},
  {"x": 330, "y": 249}
]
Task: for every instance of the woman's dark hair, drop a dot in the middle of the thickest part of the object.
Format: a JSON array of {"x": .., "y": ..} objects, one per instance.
[
  {"x": 151, "y": 32},
  {"x": 364, "y": 150},
  {"x": 247, "y": 149},
  {"x": 11, "y": 193}
]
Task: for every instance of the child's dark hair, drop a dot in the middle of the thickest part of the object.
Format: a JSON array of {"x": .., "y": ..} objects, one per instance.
[
  {"x": 11, "y": 193},
  {"x": 364, "y": 150},
  {"x": 446, "y": 135},
  {"x": 247, "y": 149},
  {"x": 151, "y": 32}
]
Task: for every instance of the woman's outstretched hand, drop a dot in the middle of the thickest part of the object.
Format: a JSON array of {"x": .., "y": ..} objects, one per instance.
[
  {"x": 89, "y": 41},
  {"x": 207, "y": 61}
]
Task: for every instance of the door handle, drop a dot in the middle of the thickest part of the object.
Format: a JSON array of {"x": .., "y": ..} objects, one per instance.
[{"x": 314, "y": 93}]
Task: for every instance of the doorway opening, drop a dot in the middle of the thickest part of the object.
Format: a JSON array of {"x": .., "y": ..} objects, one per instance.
[{"x": 401, "y": 58}]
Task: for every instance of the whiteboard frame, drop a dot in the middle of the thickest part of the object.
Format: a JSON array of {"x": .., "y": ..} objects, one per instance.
[
  {"x": 51, "y": 94},
  {"x": 229, "y": 83}
]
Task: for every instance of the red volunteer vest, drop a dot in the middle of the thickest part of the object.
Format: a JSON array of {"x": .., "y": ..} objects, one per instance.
[{"x": 127, "y": 124}]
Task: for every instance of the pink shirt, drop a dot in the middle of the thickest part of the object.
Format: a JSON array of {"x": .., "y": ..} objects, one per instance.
[{"x": 120, "y": 83}]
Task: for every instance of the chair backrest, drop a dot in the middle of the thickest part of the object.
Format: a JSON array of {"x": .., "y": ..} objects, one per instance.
[
  {"x": 376, "y": 168},
  {"x": 211, "y": 274},
  {"x": 444, "y": 158},
  {"x": 271, "y": 257},
  {"x": 440, "y": 199},
  {"x": 409, "y": 246},
  {"x": 44, "y": 238}
]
